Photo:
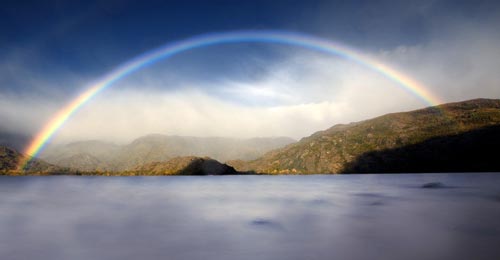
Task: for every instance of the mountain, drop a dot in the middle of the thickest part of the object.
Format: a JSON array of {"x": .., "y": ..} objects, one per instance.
[
  {"x": 400, "y": 142},
  {"x": 188, "y": 165},
  {"x": 82, "y": 162},
  {"x": 102, "y": 156},
  {"x": 82, "y": 156},
  {"x": 10, "y": 158}
]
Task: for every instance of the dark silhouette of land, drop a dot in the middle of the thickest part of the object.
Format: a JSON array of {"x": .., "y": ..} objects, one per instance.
[{"x": 472, "y": 151}]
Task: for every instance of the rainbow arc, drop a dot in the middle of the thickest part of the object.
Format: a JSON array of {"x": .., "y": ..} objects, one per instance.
[{"x": 314, "y": 43}]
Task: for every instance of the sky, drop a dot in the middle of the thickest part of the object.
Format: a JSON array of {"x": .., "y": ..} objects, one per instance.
[{"x": 51, "y": 51}]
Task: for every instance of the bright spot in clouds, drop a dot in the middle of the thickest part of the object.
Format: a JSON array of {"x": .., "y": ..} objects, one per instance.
[
  {"x": 282, "y": 103},
  {"x": 296, "y": 96}
]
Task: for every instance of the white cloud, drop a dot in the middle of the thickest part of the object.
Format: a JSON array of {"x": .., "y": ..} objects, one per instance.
[
  {"x": 462, "y": 63},
  {"x": 295, "y": 97},
  {"x": 25, "y": 114},
  {"x": 280, "y": 104}
]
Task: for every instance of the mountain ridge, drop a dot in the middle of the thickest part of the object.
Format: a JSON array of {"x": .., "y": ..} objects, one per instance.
[
  {"x": 330, "y": 150},
  {"x": 10, "y": 159},
  {"x": 459, "y": 135},
  {"x": 102, "y": 156}
]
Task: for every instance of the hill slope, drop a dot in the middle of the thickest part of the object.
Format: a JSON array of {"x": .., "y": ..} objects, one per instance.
[
  {"x": 189, "y": 165},
  {"x": 472, "y": 151},
  {"x": 10, "y": 158},
  {"x": 342, "y": 147}
]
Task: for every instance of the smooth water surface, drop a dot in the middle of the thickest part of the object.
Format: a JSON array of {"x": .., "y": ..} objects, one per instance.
[{"x": 251, "y": 217}]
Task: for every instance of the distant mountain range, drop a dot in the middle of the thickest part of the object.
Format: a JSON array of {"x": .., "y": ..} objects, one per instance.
[
  {"x": 187, "y": 165},
  {"x": 103, "y": 156},
  {"x": 454, "y": 137}
]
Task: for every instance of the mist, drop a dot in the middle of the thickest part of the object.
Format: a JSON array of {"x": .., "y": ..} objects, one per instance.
[{"x": 295, "y": 96}]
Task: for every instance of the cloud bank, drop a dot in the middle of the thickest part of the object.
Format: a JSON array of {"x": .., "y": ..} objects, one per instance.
[{"x": 295, "y": 97}]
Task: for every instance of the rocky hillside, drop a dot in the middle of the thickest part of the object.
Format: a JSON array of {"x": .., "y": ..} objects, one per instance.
[
  {"x": 472, "y": 151},
  {"x": 102, "y": 156},
  {"x": 344, "y": 148},
  {"x": 9, "y": 160},
  {"x": 190, "y": 165},
  {"x": 186, "y": 166}
]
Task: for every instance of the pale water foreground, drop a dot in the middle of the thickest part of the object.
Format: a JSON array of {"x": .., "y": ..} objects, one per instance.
[{"x": 251, "y": 217}]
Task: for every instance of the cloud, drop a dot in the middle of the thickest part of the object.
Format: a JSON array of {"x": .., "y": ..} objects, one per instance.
[
  {"x": 462, "y": 63},
  {"x": 293, "y": 96},
  {"x": 282, "y": 103},
  {"x": 24, "y": 114}
]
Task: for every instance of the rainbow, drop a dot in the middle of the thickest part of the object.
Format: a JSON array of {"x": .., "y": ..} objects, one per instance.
[{"x": 318, "y": 44}]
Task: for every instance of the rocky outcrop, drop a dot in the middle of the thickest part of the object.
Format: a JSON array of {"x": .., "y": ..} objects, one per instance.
[
  {"x": 189, "y": 165},
  {"x": 10, "y": 160}
]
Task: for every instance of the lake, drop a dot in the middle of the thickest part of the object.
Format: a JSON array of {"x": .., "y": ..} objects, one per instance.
[{"x": 251, "y": 217}]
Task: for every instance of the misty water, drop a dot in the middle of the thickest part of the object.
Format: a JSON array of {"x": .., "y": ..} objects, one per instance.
[{"x": 251, "y": 217}]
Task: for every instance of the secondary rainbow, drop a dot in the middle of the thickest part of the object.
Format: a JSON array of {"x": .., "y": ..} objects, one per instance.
[{"x": 170, "y": 49}]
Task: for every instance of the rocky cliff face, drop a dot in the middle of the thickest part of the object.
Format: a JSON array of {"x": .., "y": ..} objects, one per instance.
[{"x": 337, "y": 149}]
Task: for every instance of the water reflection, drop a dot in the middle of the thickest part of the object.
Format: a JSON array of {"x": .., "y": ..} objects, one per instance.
[{"x": 250, "y": 217}]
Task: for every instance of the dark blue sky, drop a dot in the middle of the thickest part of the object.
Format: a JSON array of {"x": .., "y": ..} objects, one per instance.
[{"x": 88, "y": 38}]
